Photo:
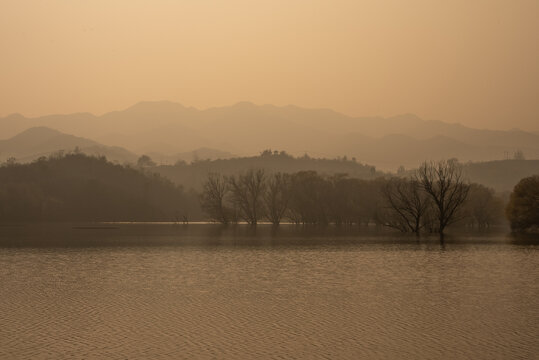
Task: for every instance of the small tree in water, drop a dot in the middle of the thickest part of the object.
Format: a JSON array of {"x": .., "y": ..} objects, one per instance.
[
  {"x": 408, "y": 204},
  {"x": 277, "y": 197},
  {"x": 215, "y": 189},
  {"x": 248, "y": 194},
  {"x": 444, "y": 182}
]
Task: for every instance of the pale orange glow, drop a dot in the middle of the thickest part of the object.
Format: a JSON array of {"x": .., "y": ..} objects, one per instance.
[{"x": 473, "y": 62}]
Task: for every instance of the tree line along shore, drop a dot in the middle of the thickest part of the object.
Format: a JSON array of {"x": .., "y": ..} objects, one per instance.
[{"x": 437, "y": 195}]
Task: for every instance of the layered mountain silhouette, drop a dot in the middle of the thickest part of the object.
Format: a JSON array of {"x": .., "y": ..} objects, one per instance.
[
  {"x": 168, "y": 129},
  {"x": 42, "y": 141}
]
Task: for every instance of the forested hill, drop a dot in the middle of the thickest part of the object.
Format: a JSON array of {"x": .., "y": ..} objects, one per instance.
[
  {"x": 76, "y": 187},
  {"x": 192, "y": 175}
]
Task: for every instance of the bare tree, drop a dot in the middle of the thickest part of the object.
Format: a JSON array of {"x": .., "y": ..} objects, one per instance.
[
  {"x": 247, "y": 194},
  {"x": 444, "y": 182},
  {"x": 277, "y": 197},
  {"x": 408, "y": 203},
  {"x": 215, "y": 189}
]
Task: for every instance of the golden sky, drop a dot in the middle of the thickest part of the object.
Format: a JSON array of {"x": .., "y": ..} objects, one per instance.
[{"x": 469, "y": 61}]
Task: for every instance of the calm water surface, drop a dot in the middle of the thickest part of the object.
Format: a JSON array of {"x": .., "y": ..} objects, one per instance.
[{"x": 200, "y": 291}]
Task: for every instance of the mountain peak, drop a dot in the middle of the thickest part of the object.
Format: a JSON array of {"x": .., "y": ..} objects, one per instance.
[
  {"x": 38, "y": 131},
  {"x": 407, "y": 117}
]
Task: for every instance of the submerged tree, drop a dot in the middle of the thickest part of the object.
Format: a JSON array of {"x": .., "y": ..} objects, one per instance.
[
  {"x": 344, "y": 209},
  {"x": 214, "y": 191},
  {"x": 247, "y": 194},
  {"x": 408, "y": 204},
  {"x": 444, "y": 182},
  {"x": 311, "y": 198},
  {"x": 277, "y": 197}
]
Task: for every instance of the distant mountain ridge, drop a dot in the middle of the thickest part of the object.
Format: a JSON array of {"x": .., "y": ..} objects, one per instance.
[
  {"x": 42, "y": 141},
  {"x": 170, "y": 128}
]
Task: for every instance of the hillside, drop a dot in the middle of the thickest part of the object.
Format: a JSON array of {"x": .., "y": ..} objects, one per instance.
[
  {"x": 192, "y": 175},
  {"x": 76, "y": 187},
  {"x": 42, "y": 141},
  {"x": 245, "y": 129},
  {"x": 501, "y": 175}
]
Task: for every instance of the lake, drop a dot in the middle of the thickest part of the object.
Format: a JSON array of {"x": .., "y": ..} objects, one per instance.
[{"x": 141, "y": 291}]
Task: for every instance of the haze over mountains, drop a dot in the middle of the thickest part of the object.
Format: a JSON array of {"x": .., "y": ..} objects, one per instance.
[
  {"x": 42, "y": 141},
  {"x": 168, "y": 129}
]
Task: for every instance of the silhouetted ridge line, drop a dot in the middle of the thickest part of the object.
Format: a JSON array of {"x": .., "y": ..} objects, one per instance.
[
  {"x": 168, "y": 128},
  {"x": 77, "y": 187}
]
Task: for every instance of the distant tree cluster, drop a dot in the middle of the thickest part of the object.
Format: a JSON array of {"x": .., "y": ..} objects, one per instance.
[
  {"x": 523, "y": 208},
  {"x": 304, "y": 197},
  {"x": 483, "y": 208},
  {"x": 434, "y": 198},
  {"x": 145, "y": 161},
  {"x": 77, "y": 187}
]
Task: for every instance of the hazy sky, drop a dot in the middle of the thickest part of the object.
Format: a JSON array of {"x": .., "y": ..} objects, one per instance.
[{"x": 469, "y": 61}]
